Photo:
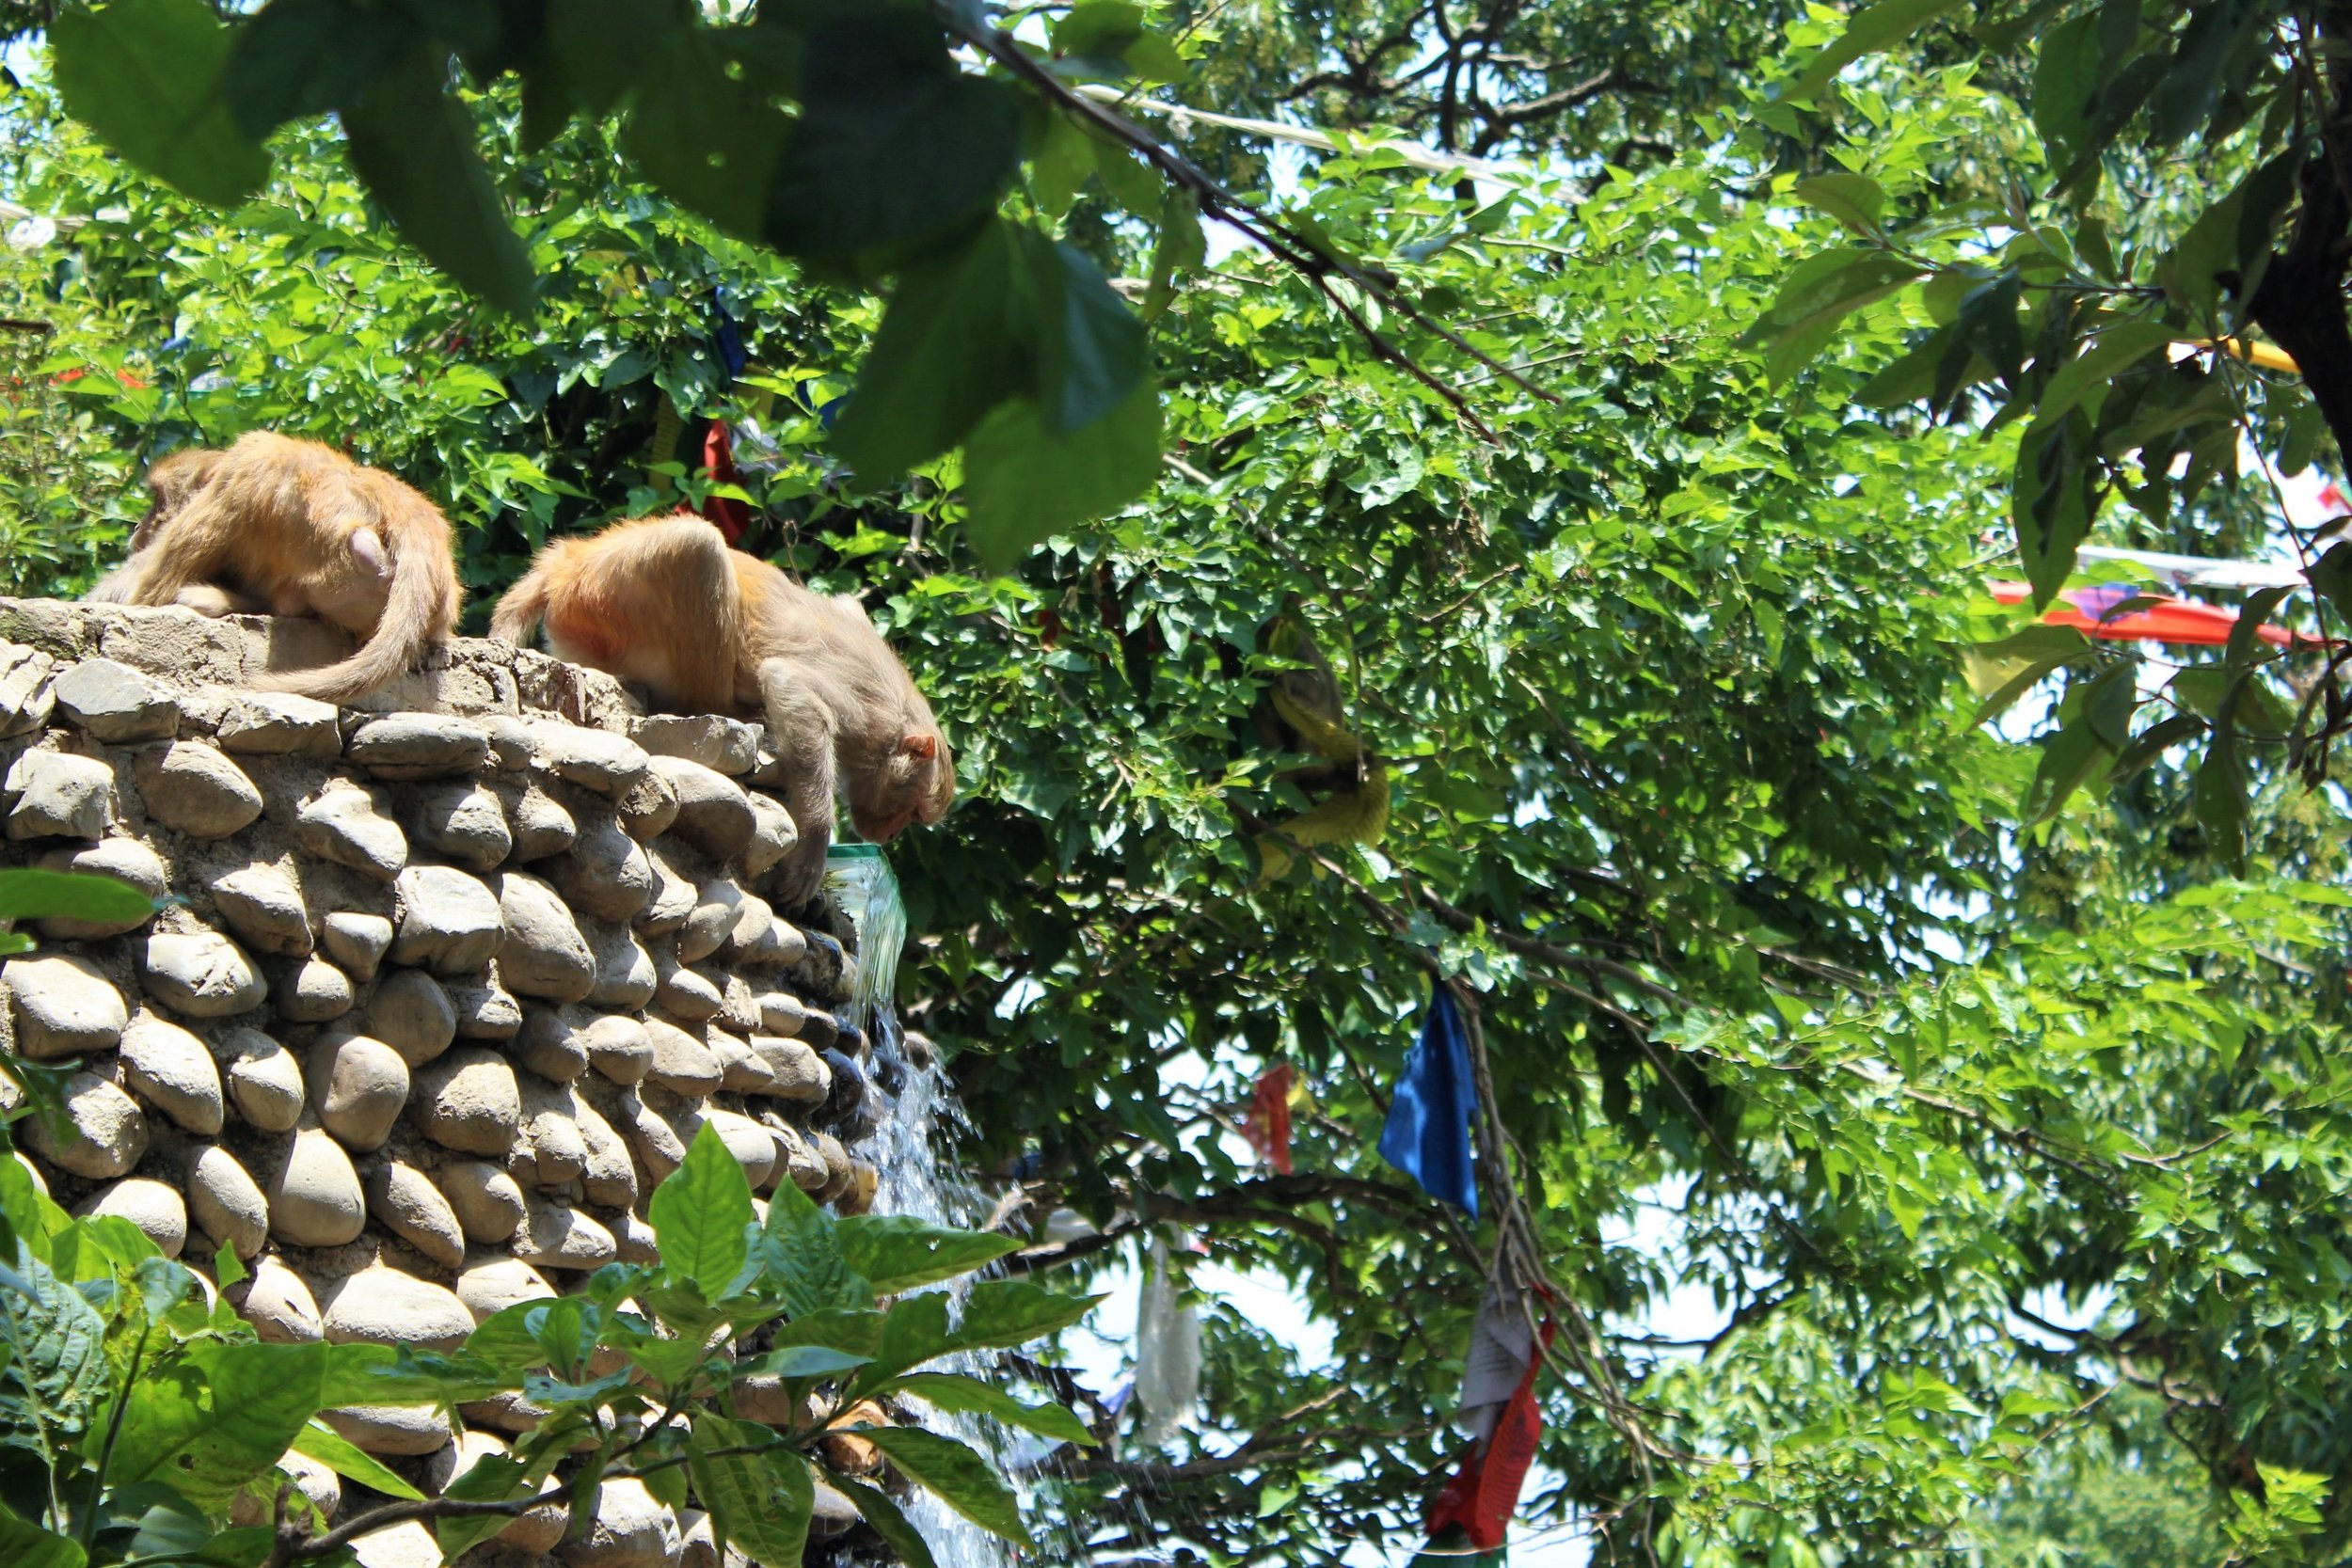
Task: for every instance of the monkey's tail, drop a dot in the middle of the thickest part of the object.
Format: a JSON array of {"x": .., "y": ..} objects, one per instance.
[
  {"x": 415, "y": 613},
  {"x": 524, "y": 605}
]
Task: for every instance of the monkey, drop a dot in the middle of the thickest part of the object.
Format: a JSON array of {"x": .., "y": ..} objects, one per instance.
[
  {"x": 294, "y": 528},
  {"x": 664, "y": 602}
]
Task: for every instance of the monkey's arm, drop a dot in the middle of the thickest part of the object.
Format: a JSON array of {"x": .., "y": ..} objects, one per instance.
[{"x": 803, "y": 727}]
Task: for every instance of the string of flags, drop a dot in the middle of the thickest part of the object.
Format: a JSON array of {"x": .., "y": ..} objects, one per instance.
[
  {"x": 2121, "y": 612},
  {"x": 1499, "y": 1410}
]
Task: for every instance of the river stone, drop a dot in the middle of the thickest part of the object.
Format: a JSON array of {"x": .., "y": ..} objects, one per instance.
[
  {"x": 549, "y": 1042},
  {"x": 741, "y": 1070},
  {"x": 673, "y": 904},
  {"x": 713, "y": 813},
  {"x": 492, "y": 1285},
  {"x": 618, "y": 1048},
  {"x": 818, "y": 1029},
  {"x": 625, "y": 977},
  {"x": 170, "y": 1069},
  {"x": 610, "y": 1179},
  {"x": 412, "y": 1014},
  {"x": 686, "y": 994},
  {"x": 464, "y": 821},
  {"x": 200, "y": 974},
  {"x": 544, "y": 954},
  {"x": 540, "y": 825},
  {"x": 347, "y": 826},
  {"x": 739, "y": 1012},
  {"x": 608, "y": 764},
  {"x": 105, "y": 1134},
  {"x": 407, "y": 1202},
  {"x": 753, "y": 1146},
  {"x": 632, "y": 1529},
  {"x": 535, "y": 1531},
  {"x": 392, "y": 1431},
  {"x": 651, "y": 1137},
  {"x": 485, "y": 1009},
  {"x": 556, "y": 1236},
  {"x": 262, "y": 904},
  {"x": 449, "y": 922},
  {"x": 279, "y": 724},
  {"x": 192, "y": 788},
  {"x": 125, "y": 859},
  {"x": 114, "y": 703},
  {"x": 381, "y": 1306},
  {"x": 357, "y": 942},
  {"x": 799, "y": 1074},
  {"x": 553, "y": 1153},
  {"x": 728, "y": 746},
  {"x": 681, "y": 1063},
  {"x": 718, "y": 905},
  {"x": 648, "y": 808},
  {"x": 314, "y": 1196},
  {"x": 773, "y": 836},
  {"x": 794, "y": 1155},
  {"x": 277, "y": 1303},
  {"x": 359, "y": 1086},
  {"x": 606, "y": 874},
  {"x": 227, "y": 1203},
  {"x": 27, "y": 695},
  {"x": 62, "y": 1006},
  {"x": 155, "y": 1206},
  {"x": 761, "y": 941},
  {"x": 860, "y": 1197},
  {"x": 311, "y": 992},
  {"x": 831, "y": 1512},
  {"x": 488, "y": 1202},
  {"x": 264, "y": 1079},
  {"x": 314, "y": 1483},
  {"x": 511, "y": 747},
  {"x": 409, "y": 1543},
  {"x": 633, "y": 1240},
  {"x": 780, "y": 1013},
  {"x": 60, "y": 795},
  {"x": 840, "y": 1174},
  {"x": 468, "y": 1100},
  {"x": 410, "y": 746}
]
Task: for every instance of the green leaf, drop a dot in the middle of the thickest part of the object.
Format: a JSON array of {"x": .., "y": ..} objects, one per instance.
[
  {"x": 902, "y": 1538},
  {"x": 700, "y": 1214},
  {"x": 954, "y": 1473},
  {"x": 2108, "y": 355},
  {"x": 2021, "y": 662},
  {"x": 798, "y": 1251},
  {"x": 914, "y": 1330},
  {"x": 705, "y": 128},
  {"x": 852, "y": 1332},
  {"x": 1002, "y": 1313},
  {"x": 1091, "y": 353},
  {"x": 319, "y": 1441},
  {"x": 25, "y": 1545},
  {"x": 2069, "y": 760},
  {"x": 1023, "y": 484},
  {"x": 1855, "y": 200},
  {"x": 2053, "y": 497},
  {"x": 602, "y": 47},
  {"x": 212, "y": 1423},
  {"x": 1182, "y": 246},
  {"x": 895, "y": 146},
  {"x": 969, "y": 1396},
  {"x": 759, "y": 1503},
  {"x": 2154, "y": 741},
  {"x": 2331, "y": 573},
  {"x": 2220, "y": 793},
  {"x": 495, "y": 1478},
  {"x": 55, "y": 1374},
  {"x": 1880, "y": 27},
  {"x": 1134, "y": 185},
  {"x": 1817, "y": 296},
  {"x": 294, "y": 60},
  {"x": 144, "y": 75},
  {"x": 800, "y": 1361},
  {"x": 2065, "y": 81},
  {"x": 1063, "y": 160},
  {"x": 412, "y": 146},
  {"x": 899, "y": 1252},
  {"x": 950, "y": 349},
  {"x": 30, "y": 894}
]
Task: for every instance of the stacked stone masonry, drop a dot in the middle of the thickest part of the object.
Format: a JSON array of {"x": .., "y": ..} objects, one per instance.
[{"x": 442, "y": 987}]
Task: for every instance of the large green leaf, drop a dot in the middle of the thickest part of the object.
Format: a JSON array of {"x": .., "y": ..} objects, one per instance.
[
  {"x": 603, "y": 47},
  {"x": 319, "y": 1441},
  {"x": 798, "y": 1254},
  {"x": 27, "y": 894},
  {"x": 295, "y": 59},
  {"x": 705, "y": 127},
  {"x": 25, "y": 1545},
  {"x": 1024, "y": 484},
  {"x": 700, "y": 1214},
  {"x": 759, "y": 1502},
  {"x": 1880, "y": 27},
  {"x": 145, "y": 74},
  {"x": 1818, "y": 293},
  {"x": 955, "y": 1474},
  {"x": 968, "y": 1396},
  {"x": 913, "y": 1331},
  {"x": 897, "y": 1252},
  {"x": 1002, "y": 1313},
  {"x": 951, "y": 348},
  {"x": 222, "y": 1416},
  {"x": 901, "y": 1537},
  {"x": 412, "y": 143},
  {"x": 1091, "y": 358},
  {"x": 494, "y": 1478},
  {"x": 895, "y": 146},
  {"x": 55, "y": 1374}
]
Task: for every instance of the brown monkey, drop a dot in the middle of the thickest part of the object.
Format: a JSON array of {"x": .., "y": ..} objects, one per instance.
[
  {"x": 297, "y": 529},
  {"x": 707, "y": 629}
]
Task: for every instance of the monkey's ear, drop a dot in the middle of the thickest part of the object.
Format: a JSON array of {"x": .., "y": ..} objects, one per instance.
[{"x": 922, "y": 748}]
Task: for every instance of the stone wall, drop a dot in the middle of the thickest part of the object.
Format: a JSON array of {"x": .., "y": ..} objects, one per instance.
[{"x": 444, "y": 988}]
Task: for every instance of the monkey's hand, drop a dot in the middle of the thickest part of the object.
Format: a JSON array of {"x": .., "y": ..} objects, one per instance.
[{"x": 804, "y": 870}]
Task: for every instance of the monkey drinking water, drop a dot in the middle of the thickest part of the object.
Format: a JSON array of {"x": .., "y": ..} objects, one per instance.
[
  {"x": 294, "y": 528},
  {"x": 663, "y": 601}
]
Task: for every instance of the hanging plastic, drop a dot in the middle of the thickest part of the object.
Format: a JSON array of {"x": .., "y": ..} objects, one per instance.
[{"x": 1167, "y": 1351}]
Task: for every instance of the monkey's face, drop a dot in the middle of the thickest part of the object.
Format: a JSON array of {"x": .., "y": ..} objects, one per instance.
[
  {"x": 918, "y": 784},
  {"x": 170, "y": 482}
]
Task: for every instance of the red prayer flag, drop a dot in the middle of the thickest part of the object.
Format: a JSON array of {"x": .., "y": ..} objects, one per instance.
[
  {"x": 1485, "y": 1492},
  {"x": 1268, "y": 1125},
  {"x": 731, "y": 515},
  {"x": 2090, "y": 610}
]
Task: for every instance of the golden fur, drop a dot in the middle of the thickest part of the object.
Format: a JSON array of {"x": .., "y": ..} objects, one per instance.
[{"x": 663, "y": 601}]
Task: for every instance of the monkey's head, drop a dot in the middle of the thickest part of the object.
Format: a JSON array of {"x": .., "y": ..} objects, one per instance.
[
  {"x": 170, "y": 482},
  {"x": 916, "y": 784}
]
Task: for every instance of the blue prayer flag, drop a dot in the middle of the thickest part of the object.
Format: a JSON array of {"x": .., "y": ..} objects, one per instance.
[{"x": 1427, "y": 1136}]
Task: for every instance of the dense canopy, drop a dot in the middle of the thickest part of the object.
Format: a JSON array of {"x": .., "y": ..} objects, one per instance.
[{"x": 1561, "y": 579}]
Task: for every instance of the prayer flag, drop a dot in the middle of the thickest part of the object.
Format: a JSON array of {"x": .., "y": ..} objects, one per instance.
[
  {"x": 1483, "y": 1494},
  {"x": 1427, "y": 1136},
  {"x": 1268, "y": 1127}
]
